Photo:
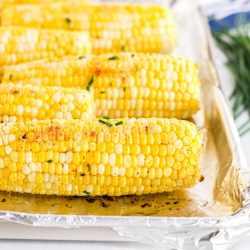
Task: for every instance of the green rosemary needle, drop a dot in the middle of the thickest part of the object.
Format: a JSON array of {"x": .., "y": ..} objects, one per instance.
[{"x": 236, "y": 47}]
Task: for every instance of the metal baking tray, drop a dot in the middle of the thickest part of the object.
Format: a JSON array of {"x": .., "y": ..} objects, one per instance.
[{"x": 216, "y": 211}]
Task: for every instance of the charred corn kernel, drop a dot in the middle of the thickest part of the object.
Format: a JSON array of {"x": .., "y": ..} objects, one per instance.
[
  {"x": 67, "y": 172},
  {"x": 53, "y": 101},
  {"x": 113, "y": 27},
  {"x": 109, "y": 79},
  {"x": 19, "y": 45}
]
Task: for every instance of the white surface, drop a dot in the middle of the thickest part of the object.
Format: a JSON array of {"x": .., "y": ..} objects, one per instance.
[{"x": 68, "y": 245}]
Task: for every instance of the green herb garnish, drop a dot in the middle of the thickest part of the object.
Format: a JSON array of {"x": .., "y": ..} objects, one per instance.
[
  {"x": 49, "y": 161},
  {"x": 106, "y": 123},
  {"x": 102, "y": 92},
  {"x": 106, "y": 117},
  {"x": 123, "y": 48},
  {"x": 68, "y": 20},
  {"x": 81, "y": 57},
  {"x": 236, "y": 47},
  {"x": 91, "y": 81},
  {"x": 11, "y": 76},
  {"x": 118, "y": 123},
  {"x": 112, "y": 58},
  {"x": 132, "y": 55}
]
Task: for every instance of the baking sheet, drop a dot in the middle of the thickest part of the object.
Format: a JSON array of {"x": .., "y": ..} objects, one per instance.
[{"x": 218, "y": 195}]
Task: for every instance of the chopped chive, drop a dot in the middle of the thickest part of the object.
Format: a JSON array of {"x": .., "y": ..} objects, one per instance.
[
  {"x": 106, "y": 123},
  {"x": 102, "y": 92},
  {"x": 89, "y": 168},
  {"x": 133, "y": 55},
  {"x": 112, "y": 58},
  {"x": 68, "y": 20},
  {"x": 123, "y": 48},
  {"x": 106, "y": 117},
  {"x": 110, "y": 84},
  {"x": 49, "y": 161},
  {"x": 118, "y": 123},
  {"x": 81, "y": 57},
  {"x": 124, "y": 89},
  {"x": 82, "y": 174},
  {"x": 91, "y": 81},
  {"x": 11, "y": 76}
]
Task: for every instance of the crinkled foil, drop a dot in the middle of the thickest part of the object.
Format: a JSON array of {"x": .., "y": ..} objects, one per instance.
[{"x": 215, "y": 213}]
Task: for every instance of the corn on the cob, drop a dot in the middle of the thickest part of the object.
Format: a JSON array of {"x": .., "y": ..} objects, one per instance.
[
  {"x": 114, "y": 27},
  {"x": 124, "y": 85},
  {"x": 28, "y": 103},
  {"x": 6, "y": 3},
  {"x": 18, "y": 45},
  {"x": 78, "y": 157}
]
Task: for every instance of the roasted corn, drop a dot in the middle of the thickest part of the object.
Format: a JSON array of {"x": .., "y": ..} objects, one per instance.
[
  {"x": 18, "y": 45},
  {"x": 99, "y": 157},
  {"x": 124, "y": 85},
  {"x": 28, "y": 102},
  {"x": 114, "y": 27}
]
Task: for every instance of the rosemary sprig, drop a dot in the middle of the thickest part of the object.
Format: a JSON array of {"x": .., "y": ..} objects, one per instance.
[{"x": 236, "y": 47}]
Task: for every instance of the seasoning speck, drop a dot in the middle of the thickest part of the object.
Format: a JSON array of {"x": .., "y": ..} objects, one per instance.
[
  {"x": 11, "y": 76},
  {"x": 146, "y": 205},
  {"x": 89, "y": 168},
  {"x": 3, "y": 200},
  {"x": 201, "y": 178},
  {"x": 90, "y": 200},
  {"x": 68, "y": 20},
  {"x": 107, "y": 198},
  {"x": 24, "y": 136},
  {"x": 103, "y": 204},
  {"x": 81, "y": 57},
  {"x": 49, "y": 161}
]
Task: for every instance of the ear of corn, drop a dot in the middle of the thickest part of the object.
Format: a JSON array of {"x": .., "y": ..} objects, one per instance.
[
  {"x": 28, "y": 102},
  {"x": 74, "y": 157},
  {"x": 124, "y": 85},
  {"x": 113, "y": 27},
  {"x": 6, "y": 3},
  {"x": 18, "y": 45}
]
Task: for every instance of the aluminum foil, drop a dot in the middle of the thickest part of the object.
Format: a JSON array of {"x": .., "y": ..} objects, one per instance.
[{"x": 214, "y": 214}]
